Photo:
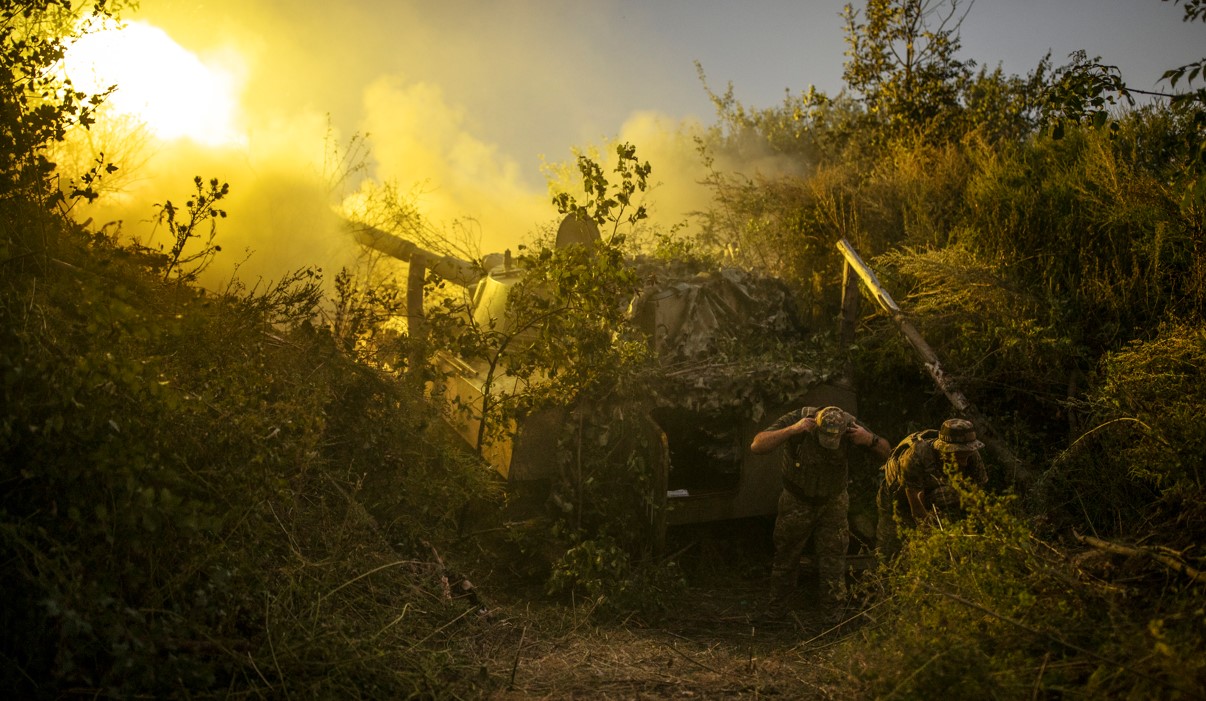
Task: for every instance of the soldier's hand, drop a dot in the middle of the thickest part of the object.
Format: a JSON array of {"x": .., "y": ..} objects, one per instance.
[
  {"x": 805, "y": 425},
  {"x": 943, "y": 498},
  {"x": 859, "y": 435}
]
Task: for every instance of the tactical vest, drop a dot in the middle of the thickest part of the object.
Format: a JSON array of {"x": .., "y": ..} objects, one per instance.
[
  {"x": 917, "y": 463},
  {"x": 809, "y": 471},
  {"x": 912, "y": 460}
]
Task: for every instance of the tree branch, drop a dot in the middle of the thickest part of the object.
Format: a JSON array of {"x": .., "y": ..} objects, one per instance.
[
  {"x": 1049, "y": 636},
  {"x": 1172, "y": 563}
]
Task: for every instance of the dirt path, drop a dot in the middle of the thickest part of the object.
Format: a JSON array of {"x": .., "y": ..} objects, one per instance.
[
  {"x": 723, "y": 660},
  {"x": 714, "y": 645}
]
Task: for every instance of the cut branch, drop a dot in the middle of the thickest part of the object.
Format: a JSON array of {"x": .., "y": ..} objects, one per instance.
[
  {"x": 1019, "y": 473},
  {"x": 1056, "y": 639},
  {"x": 1173, "y": 563}
]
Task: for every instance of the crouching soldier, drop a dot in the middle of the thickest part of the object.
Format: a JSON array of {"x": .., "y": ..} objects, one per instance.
[
  {"x": 814, "y": 501},
  {"x": 915, "y": 485}
]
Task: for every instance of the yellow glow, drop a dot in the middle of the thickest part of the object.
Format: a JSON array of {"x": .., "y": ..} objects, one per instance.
[{"x": 158, "y": 83}]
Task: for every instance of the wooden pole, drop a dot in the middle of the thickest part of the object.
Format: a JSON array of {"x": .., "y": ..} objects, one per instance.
[
  {"x": 416, "y": 325},
  {"x": 1018, "y": 474},
  {"x": 850, "y": 304}
]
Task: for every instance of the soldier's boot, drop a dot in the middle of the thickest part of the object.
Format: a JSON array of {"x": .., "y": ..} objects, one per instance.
[
  {"x": 834, "y": 605},
  {"x": 780, "y": 595}
]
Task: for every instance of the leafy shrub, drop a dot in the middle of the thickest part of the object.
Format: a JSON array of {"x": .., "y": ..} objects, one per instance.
[
  {"x": 603, "y": 576},
  {"x": 37, "y": 106},
  {"x": 1144, "y": 436},
  {"x": 187, "y": 484},
  {"x": 982, "y": 608}
]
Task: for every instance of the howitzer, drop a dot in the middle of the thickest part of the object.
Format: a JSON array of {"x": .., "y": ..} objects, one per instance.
[
  {"x": 461, "y": 272},
  {"x": 695, "y": 426}
]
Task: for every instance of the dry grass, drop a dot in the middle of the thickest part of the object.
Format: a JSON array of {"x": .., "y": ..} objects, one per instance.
[
  {"x": 678, "y": 659},
  {"x": 713, "y": 645}
]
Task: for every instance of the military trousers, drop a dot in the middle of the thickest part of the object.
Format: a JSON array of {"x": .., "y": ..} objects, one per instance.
[
  {"x": 824, "y": 521},
  {"x": 894, "y": 514}
]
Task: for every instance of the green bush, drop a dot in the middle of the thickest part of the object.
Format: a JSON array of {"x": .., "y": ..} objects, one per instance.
[
  {"x": 187, "y": 483},
  {"x": 602, "y": 576},
  {"x": 980, "y": 607},
  {"x": 1142, "y": 441},
  {"x": 37, "y": 106}
]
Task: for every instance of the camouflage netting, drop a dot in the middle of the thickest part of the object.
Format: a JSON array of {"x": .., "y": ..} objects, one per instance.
[
  {"x": 694, "y": 317},
  {"x": 727, "y": 339},
  {"x": 751, "y": 388}
]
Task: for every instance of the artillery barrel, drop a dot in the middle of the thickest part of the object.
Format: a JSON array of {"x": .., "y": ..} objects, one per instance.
[{"x": 454, "y": 270}]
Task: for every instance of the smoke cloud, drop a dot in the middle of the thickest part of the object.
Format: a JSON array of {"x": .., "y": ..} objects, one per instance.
[{"x": 464, "y": 106}]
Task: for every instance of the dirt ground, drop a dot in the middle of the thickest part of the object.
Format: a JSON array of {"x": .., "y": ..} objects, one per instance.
[{"x": 714, "y": 645}]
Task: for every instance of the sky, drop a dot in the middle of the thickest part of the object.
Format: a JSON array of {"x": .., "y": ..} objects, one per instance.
[{"x": 464, "y": 104}]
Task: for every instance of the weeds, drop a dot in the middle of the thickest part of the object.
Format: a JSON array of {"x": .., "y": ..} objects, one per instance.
[{"x": 198, "y": 210}]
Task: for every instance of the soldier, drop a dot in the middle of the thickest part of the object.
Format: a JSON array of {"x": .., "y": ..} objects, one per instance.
[
  {"x": 916, "y": 483},
  {"x": 814, "y": 500}
]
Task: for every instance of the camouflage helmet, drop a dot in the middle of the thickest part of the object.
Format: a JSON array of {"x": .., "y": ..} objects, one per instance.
[
  {"x": 957, "y": 435},
  {"x": 832, "y": 422}
]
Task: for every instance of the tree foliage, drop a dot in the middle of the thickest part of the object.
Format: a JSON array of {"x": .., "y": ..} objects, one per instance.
[
  {"x": 1085, "y": 90},
  {"x": 37, "y": 104},
  {"x": 903, "y": 63},
  {"x": 556, "y": 334},
  {"x": 1195, "y": 10},
  {"x": 607, "y": 203}
]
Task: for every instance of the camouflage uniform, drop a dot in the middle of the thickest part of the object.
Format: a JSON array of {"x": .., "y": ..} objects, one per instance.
[
  {"x": 917, "y": 463},
  {"x": 813, "y": 504}
]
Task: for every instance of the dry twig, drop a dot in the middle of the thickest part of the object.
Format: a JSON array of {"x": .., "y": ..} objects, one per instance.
[
  {"x": 1172, "y": 563},
  {"x": 1053, "y": 638}
]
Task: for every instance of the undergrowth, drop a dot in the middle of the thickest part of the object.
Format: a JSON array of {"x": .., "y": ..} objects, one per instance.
[
  {"x": 190, "y": 489},
  {"x": 982, "y": 607}
]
